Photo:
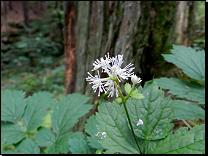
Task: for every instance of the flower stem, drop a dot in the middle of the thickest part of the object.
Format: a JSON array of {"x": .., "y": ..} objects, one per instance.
[{"x": 124, "y": 103}]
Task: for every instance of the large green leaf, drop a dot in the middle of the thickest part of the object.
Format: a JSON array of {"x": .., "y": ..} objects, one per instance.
[
  {"x": 67, "y": 111},
  {"x": 45, "y": 137},
  {"x": 113, "y": 121},
  {"x": 191, "y": 62},
  {"x": 12, "y": 105},
  {"x": 28, "y": 146},
  {"x": 11, "y": 133},
  {"x": 80, "y": 146},
  {"x": 182, "y": 142},
  {"x": 35, "y": 110},
  {"x": 155, "y": 112},
  {"x": 61, "y": 143},
  {"x": 181, "y": 88},
  {"x": 184, "y": 110},
  {"x": 91, "y": 129}
]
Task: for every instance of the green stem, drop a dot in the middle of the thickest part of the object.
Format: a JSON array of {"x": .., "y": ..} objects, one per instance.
[
  {"x": 130, "y": 92},
  {"x": 42, "y": 150},
  {"x": 124, "y": 103}
]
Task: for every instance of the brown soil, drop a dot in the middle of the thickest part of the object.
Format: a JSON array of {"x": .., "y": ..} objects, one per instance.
[{"x": 16, "y": 14}]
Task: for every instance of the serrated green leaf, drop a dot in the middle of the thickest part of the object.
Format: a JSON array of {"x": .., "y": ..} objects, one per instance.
[
  {"x": 35, "y": 110},
  {"x": 28, "y": 146},
  {"x": 127, "y": 88},
  {"x": 191, "y": 62},
  {"x": 91, "y": 129},
  {"x": 12, "y": 105},
  {"x": 134, "y": 91},
  {"x": 182, "y": 142},
  {"x": 184, "y": 110},
  {"x": 61, "y": 144},
  {"x": 155, "y": 112},
  {"x": 67, "y": 111},
  {"x": 113, "y": 121},
  {"x": 137, "y": 96},
  {"x": 80, "y": 146},
  {"x": 181, "y": 88},
  {"x": 45, "y": 137},
  {"x": 11, "y": 133}
]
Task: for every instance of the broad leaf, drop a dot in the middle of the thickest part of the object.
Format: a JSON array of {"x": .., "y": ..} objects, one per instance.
[
  {"x": 113, "y": 121},
  {"x": 35, "y": 110},
  {"x": 191, "y": 62},
  {"x": 80, "y": 146},
  {"x": 11, "y": 133},
  {"x": 61, "y": 143},
  {"x": 127, "y": 88},
  {"x": 28, "y": 146},
  {"x": 91, "y": 129},
  {"x": 184, "y": 110},
  {"x": 181, "y": 88},
  {"x": 155, "y": 112},
  {"x": 45, "y": 137},
  {"x": 182, "y": 142},
  {"x": 12, "y": 105},
  {"x": 67, "y": 111},
  {"x": 137, "y": 96}
]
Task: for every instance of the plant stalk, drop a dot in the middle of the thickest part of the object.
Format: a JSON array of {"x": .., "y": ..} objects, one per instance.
[{"x": 124, "y": 103}]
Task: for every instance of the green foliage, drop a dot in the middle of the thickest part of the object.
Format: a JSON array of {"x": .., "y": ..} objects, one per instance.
[
  {"x": 91, "y": 129},
  {"x": 155, "y": 111},
  {"x": 11, "y": 133},
  {"x": 45, "y": 137},
  {"x": 182, "y": 142},
  {"x": 113, "y": 121},
  {"x": 192, "y": 63},
  {"x": 36, "y": 109},
  {"x": 27, "y": 135},
  {"x": 12, "y": 109},
  {"x": 70, "y": 107},
  {"x": 154, "y": 135},
  {"x": 80, "y": 146},
  {"x": 184, "y": 110},
  {"x": 190, "y": 90},
  {"x": 28, "y": 146},
  {"x": 133, "y": 92}
]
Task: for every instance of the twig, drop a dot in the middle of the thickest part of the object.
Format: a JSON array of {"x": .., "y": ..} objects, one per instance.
[{"x": 186, "y": 124}]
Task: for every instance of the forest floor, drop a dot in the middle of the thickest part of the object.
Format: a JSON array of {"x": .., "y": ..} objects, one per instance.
[{"x": 15, "y": 14}]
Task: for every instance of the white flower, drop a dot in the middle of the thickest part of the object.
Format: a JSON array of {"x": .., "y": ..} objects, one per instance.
[
  {"x": 140, "y": 122},
  {"x": 104, "y": 134},
  {"x": 111, "y": 66},
  {"x": 135, "y": 79}
]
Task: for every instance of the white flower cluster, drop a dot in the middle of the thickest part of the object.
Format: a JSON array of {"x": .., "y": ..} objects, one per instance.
[{"x": 111, "y": 66}]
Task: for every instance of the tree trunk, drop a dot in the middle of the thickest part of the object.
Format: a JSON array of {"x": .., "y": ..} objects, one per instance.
[
  {"x": 26, "y": 13},
  {"x": 140, "y": 30},
  {"x": 10, "y": 5}
]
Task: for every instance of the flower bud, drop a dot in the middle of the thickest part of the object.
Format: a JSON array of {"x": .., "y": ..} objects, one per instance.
[{"x": 135, "y": 79}]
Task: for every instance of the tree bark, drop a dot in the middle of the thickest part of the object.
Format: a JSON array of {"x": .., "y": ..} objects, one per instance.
[
  {"x": 140, "y": 30},
  {"x": 10, "y": 5},
  {"x": 26, "y": 13}
]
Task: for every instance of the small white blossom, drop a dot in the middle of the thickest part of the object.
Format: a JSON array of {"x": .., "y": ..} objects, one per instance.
[
  {"x": 104, "y": 134},
  {"x": 135, "y": 79},
  {"x": 111, "y": 66},
  {"x": 140, "y": 122}
]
